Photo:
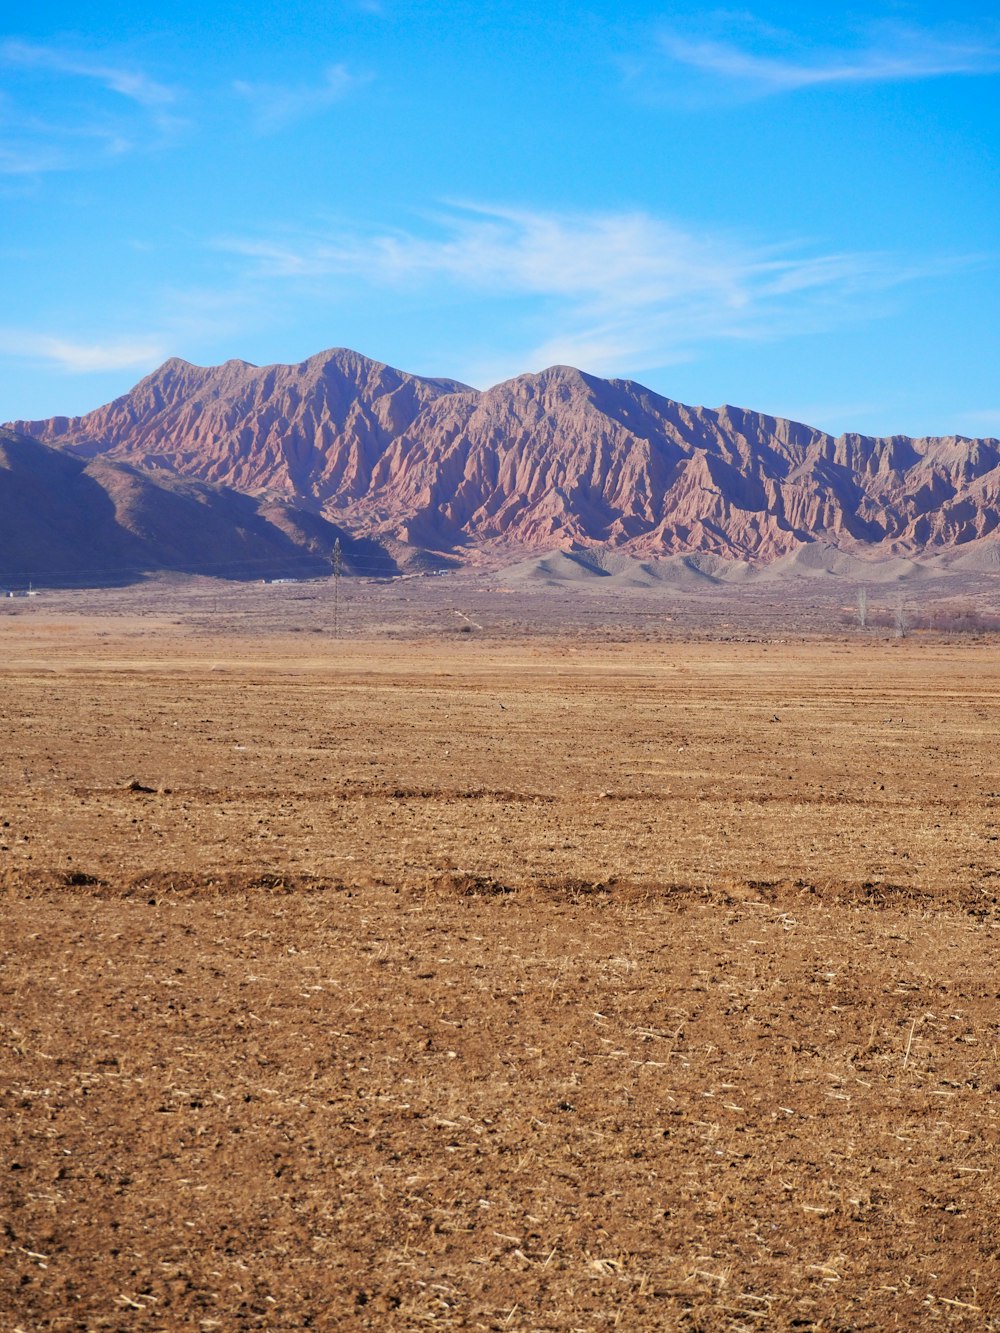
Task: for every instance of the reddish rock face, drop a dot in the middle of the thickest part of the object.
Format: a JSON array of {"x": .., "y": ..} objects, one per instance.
[{"x": 555, "y": 459}]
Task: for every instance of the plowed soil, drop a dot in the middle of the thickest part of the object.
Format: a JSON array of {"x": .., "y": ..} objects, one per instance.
[{"x": 496, "y": 983}]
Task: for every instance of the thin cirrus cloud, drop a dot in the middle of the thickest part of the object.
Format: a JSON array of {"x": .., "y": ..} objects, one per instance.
[
  {"x": 275, "y": 105},
  {"x": 102, "y": 109},
  {"x": 79, "y": 358},
  {"x": 608, "y": 290},
  {"x": 891, "y": 54},
  {"x": 131, "y": 83}
]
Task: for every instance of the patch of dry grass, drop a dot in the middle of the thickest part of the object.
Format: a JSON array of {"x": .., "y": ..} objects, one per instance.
[{"x": 333, "y": 994}]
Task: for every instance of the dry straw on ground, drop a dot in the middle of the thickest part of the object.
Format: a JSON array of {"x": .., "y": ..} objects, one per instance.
[{"x": 335, "y": 995}]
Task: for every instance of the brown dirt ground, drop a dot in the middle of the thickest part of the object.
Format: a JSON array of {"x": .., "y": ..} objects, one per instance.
[{"x": 496, "y": 983}]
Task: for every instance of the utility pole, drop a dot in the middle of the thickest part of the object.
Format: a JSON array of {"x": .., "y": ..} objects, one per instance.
[{"x": 337, "y": 565}]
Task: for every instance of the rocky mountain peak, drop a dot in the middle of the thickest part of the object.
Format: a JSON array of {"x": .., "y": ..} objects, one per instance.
[{"x": 548, "y": 458}]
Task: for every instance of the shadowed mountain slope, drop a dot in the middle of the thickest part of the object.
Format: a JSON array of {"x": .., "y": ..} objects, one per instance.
[{"x": 67, "y": 521}]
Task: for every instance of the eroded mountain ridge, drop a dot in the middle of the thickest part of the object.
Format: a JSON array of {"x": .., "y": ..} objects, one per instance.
[{"x": 556, "y": 459}]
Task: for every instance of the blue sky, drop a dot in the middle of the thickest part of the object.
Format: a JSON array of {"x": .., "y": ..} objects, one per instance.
[{"x": 790, "y": 208}]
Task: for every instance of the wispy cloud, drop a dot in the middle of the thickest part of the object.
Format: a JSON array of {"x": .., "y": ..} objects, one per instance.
[
  {"x": 30, "y": 159},
  {"x": 128, "y": 82},
  {"x": 609, "y": 290},
  {"x": 888, "y": 53},
  {"x": 101, "y": 110},
  {"x": 276, "y": 105},
  {"x": 78, "y": 357}
]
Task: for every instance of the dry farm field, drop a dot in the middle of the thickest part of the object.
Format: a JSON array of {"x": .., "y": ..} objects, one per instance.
[{"x": 495, "y": 981}]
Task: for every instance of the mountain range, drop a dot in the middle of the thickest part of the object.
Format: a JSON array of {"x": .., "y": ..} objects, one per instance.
[{"x": 340, "y": 444}]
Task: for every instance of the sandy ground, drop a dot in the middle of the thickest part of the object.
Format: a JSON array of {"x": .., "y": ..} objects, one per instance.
[{"x": 510, "y": 981}]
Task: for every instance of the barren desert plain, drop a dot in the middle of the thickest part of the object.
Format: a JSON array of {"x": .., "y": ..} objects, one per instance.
[{"x": 484, "y": 958}]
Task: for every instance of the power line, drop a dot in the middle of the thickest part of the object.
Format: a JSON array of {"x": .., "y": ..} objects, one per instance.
[{"x": 337, "y": 562}]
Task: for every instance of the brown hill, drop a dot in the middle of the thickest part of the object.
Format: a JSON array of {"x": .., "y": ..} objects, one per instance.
[
  {"x": 69, "y": 521},
  {"x": 558, "y": 459}
]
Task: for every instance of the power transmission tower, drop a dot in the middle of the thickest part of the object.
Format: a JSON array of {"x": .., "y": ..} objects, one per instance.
[{"x": 337, "y": 566}]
